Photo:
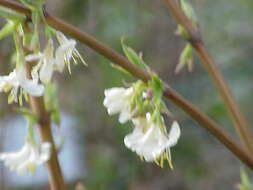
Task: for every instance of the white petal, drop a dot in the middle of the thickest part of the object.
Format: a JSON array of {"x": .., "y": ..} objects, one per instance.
[
  {"x": 45, "y": 153},
  {"x": 174, "y": 134},
  {"x": 28, "y": 158},
  {"x": 124, "y": 116},
  {"x": 114, "y": 92},
  {"x": 12, "y": 160},
  {"x": 131, "y": 140},
  {"x": 32, "y": 88},
  {"x": 115, "y": 107},
  {"x": 46, "y": 72},
  {"x": 33, "y": 57}
]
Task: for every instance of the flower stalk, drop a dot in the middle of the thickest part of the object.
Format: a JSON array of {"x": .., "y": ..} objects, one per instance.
[{"x": 121, "y": 61}]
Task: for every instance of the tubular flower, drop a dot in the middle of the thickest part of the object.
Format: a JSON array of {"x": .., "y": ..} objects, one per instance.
[
  {"x": 150, "y": 141},
  {"x": 46, "y": 70},
  {"x": 117, "y": 100},
  {"x": 17, "y": 83},
  {"x": 28, "y": 158},
  {"x": 45, "y": 66},
  {"x": 65, "y": 52}
]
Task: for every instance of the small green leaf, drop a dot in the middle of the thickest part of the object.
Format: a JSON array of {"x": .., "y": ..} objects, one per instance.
[
  {"x": 55, "y": 116},
  {"x": 182, "y": 32},
  {"x": 189, "y": 12},
  {"x": 157, "y": 87},
  {"x": 132, "y": 56},
  {"x": 186, "y": 59},
  {"x": 8, "y": 29},
  {"x": 120, "y": 69}
]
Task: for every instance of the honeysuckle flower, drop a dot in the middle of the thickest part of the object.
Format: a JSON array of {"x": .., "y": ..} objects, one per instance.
[
  {"x": 45, "y": 63},
  {"x": 66, "y": 52},
  {"x": 46, "y": 70},
  {"x": 151, "y": 141},
  {"x": 117, "y": 101},
  {"x": 17, "y": 83},
  {"x": 28, "y": 158}
]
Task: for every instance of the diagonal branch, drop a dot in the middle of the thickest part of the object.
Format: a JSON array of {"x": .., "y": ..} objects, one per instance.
[
  {"x": 240, "y": 123},
  {"x": 169, "y": 93}
]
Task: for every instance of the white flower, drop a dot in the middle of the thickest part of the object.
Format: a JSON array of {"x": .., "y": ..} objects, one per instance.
[
  {"x": 17, "y": 81},
  {"x": 151, "y": 142},
  {"x": 117, "y": 101},
  {"x": 46, "y": 70},
  {"x": 45, "y": 66},
  {"x": 28, "y": 158},
  {"x": 65, "y": 52}
]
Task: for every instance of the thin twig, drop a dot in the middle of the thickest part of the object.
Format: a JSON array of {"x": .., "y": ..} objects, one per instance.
[
  {"x": 169, "y": 93},
  {"x": 240, "y": 123}
]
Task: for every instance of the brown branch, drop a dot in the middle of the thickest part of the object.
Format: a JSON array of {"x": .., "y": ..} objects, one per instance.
[
  {"x": 239, "y": 120},
  {"x": 169, "y": 93},
  {"x": 54, "y": 170}
]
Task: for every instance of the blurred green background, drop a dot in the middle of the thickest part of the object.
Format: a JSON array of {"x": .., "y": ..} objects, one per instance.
[{"x": 200, "y": 161}]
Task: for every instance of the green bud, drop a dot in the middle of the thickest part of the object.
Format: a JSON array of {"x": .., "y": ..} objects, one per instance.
[
  {"x": 189, "y": 11},
  {"x": 182, "y": 32},
  {"x": 186, "y": 59}
]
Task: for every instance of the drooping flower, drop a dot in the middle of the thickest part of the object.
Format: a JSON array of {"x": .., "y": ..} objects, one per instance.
[
  {"x": 17, "y": 83},
  {"x": 28, "y": 158},
  {"x": 66, "y": 52},
  {"x": 150, "y": 141},
  {"x": 117, "y": 100},
  {"x": 44, "y": 68}
]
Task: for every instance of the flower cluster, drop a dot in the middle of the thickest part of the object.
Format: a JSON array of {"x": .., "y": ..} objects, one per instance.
[
  {"x": 19, "y": 84},
  {"x": 51, "y": 60},
  {"x": 28, "y": 158},
  {"x": 140, "y": 104}
]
